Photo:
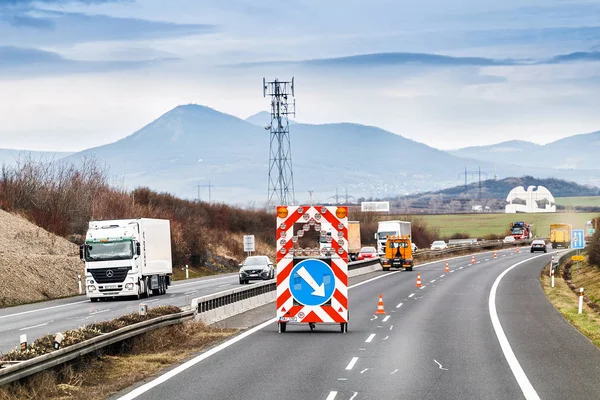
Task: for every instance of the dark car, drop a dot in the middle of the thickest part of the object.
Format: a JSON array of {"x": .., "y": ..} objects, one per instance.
[
  {"x": 538, "y": 245},
  {"x": 256, "y": 268}
]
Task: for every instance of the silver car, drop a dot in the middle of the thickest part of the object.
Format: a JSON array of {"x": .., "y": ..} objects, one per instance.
[{"x": 256, "y": 268}]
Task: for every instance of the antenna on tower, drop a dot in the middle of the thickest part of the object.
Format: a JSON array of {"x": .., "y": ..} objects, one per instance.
[{"x": 281, "y": 177}]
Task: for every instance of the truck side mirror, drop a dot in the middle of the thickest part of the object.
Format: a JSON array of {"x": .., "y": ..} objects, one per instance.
[
  {"x": 81, "y": 247},
  {"x": 138, "y": 249}
]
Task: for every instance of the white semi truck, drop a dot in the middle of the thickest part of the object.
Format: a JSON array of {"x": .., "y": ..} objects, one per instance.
[
  {"x": 391, "y": 228},
  {"x": 127, "y": 257}
]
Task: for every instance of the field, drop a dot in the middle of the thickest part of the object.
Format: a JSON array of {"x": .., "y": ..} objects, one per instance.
[
  {"x": 591, "y": 201},
  {"x": 480, "y": 225}
]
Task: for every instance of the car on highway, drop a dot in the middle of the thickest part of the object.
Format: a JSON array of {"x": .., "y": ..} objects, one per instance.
[
  {"x": 256, "y": 268},
  {"x": 508, "y": 239},
  {"x": 439, "y": 245},
  {"x": 367, "y": 252},
  {"x": 538, "y": 245}
]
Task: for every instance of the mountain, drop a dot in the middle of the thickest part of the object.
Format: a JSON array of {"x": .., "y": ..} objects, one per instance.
[
  {"x": 194, "y": 145},
  {"x": 574, "y": 152},
  {"x": 263, "y": 118},
  {"x": 11, "y": 156}
]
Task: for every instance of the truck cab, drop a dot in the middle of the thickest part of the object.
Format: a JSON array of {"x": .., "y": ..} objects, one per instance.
[{"x": 398, "y": 253}]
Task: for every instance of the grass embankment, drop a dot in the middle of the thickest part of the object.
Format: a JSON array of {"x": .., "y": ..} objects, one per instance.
[
  {"x": 481, "y": 225},
  {"x": 588, "y": 201},
  {"x": 566, "y": 300},
  {"x": 114, "y": 368}
]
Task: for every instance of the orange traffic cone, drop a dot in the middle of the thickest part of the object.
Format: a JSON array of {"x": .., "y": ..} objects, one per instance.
[
  {"x": 495, "y": 255},
  {"x": 472, "y": 259},
  {"x": 419, "y": 284},
  {"x": 447, "y": 269},
  {"x": 380, "y": 306},
  {"x": 517, "y": 249}
]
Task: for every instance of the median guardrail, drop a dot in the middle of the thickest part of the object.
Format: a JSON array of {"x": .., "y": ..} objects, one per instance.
[{"x": 15, "y": 371}]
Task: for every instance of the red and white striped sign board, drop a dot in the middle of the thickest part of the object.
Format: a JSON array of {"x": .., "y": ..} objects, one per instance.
[{"x": 312, "y": 284}]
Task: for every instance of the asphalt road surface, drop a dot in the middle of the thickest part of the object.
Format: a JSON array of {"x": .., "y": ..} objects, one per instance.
[
  {"x": 482, "y": 331},
  {"x": 39, "y": 319}
]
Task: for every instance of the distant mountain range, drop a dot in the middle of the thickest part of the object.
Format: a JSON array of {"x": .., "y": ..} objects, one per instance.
[
  {"x": 193, "y": 146},
  {"x": 11, "y": 157},
  {"x": 574, "y": 152}
]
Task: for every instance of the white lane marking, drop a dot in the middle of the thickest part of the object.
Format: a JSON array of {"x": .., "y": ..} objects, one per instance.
[
  {"x": 353, "y": 396},
  {"x": 351, "y": 363},
  {"x": 43, "y": 309},
  {"x": 100, "y": 311},
  {"x": 399, "y": 305},
  {"x": 332, "y": 395},
  {"x": 152, "y": 301},
  {"x": 503, "y": 255},
  {"x": 431, "y": 281},
  {"x": 176, "y": 371},
  {"x": 422, "y": 287},
  {"x": 192, "y": 292},
  {"x": 374, "y": 318},
  {"x": 394, "y": 371},
  {"x": 441, "y": 276},
  {"x": 487, "y": 259},
  {"x": 526, "y": 387},
  {"x": 451, "y": 271},
  {"x": 342, "y": 379},
  {"x": 411, "y": 295},
  {"x": 364, "y": 370},
  {"x": 34, "y": 326},
  {"x": 163, "y": 378},
  {"x": 440, "y": 365},
  {"x": 379, "y": 326},
  {"x": 386, "y": 318},
  {"x": 362, "y": 349},
  {"x": 227, "y": 284},
  {"x": 460, "y": 267},
  {"x": 386, "y": 338},
  {"x": 371, "y": 336}
]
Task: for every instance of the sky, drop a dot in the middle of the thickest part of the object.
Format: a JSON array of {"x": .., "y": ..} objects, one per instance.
[{"x": 450, "y": 74}]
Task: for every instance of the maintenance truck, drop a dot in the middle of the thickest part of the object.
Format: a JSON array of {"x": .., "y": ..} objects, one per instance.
[
  {"x": 560, "y": 235},
  {"x": 391, "y": 228},
  {"x": 127, "y": 257},
  {"x": 398, "y": 253}
]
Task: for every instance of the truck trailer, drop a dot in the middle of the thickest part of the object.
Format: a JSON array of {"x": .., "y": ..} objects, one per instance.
[
  {"x": 127, "y": 257},
  {"x": 560, "y": 235},
  {"x": 354, "y": 243},
  {"x": 391, "y": 228}
]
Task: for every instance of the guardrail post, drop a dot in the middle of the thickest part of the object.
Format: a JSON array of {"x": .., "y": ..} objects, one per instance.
[
  {"x": 552, "y": 273},
  {"x": 23, "y": 342},
  {"x": 79, "y": 283},
  {"x": 580, "y": 300},
  {"x": 187, "y": 272}
]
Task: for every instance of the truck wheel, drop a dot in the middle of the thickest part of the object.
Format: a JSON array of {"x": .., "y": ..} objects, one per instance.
[
  {"x": 281, "y": 327},
  {"x": 146, "y": 292}
]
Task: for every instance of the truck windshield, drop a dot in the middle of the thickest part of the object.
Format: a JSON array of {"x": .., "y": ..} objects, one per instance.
[
  {"x": 516, "y": 231},
  {"x": 396, "y": 245},
  {"x": 383, "y": 235},
  {"x": 109, "y": 251}
]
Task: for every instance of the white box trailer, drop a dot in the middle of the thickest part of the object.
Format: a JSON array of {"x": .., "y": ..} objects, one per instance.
[
  {"x": 127, "y": 257},
  {"x": 391, "y": 228}
]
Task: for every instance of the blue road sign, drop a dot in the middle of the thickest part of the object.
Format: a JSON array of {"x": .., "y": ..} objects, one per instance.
[
  {"x": 577, "y": 239},
  {"x": 312, "y": 282}
]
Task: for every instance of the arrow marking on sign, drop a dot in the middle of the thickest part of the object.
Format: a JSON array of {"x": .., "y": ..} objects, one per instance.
[{"x": 318, "y": 290}]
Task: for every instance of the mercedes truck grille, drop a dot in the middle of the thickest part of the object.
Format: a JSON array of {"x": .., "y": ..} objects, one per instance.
[{"x": 109, "y": 275}]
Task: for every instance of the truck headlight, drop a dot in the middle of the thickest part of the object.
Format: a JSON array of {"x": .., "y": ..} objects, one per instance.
[
  {"x": 91, "y": 288},
  {"x": 266, "y": 270},
  {"x": 129, "y": 286}
]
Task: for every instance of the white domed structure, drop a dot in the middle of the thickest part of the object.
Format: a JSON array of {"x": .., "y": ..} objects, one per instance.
[{"x": 530, "y": 201}]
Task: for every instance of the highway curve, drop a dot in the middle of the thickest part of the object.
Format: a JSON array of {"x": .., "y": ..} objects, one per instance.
[{"x": 437, "y": 342}]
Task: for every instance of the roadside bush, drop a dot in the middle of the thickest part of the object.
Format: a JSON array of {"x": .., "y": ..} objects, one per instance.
[{"x": 594, "y": 249}]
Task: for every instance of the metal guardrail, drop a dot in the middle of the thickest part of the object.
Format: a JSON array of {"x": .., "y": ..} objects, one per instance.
[
  {"x": 29, "y": 367},
  {"x": 22, "y": 369}
]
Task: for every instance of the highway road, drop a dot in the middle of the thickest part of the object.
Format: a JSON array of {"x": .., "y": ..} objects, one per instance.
[
  {"x": 482, "y": 331},
  {"x": 39, "y": 319}
]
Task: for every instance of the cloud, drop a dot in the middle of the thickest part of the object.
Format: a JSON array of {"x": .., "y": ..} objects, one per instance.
[
  {"x": 21, "y": 26},
  {"x": 20, "y": 61}
]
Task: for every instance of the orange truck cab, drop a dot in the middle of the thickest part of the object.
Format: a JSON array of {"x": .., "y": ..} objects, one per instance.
[{"x": 398, "y": 253}]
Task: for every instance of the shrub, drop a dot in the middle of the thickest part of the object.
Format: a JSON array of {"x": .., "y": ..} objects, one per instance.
[{"x": 594, "y": 249}]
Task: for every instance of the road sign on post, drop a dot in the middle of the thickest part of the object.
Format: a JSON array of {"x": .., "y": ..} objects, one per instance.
[
  {"x": 577, "y": 239},
  {"x": 249, "y": 243},
  {"x": 312, "y": 283}
]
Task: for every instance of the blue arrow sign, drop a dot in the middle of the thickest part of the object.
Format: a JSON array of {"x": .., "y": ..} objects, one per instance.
[
  {"x": 312, "y": 282},
  {"x": 577, "y": 239}
]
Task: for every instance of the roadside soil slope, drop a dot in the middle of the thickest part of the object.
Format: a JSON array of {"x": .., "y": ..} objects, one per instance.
[{"x": 35, "y": 264}]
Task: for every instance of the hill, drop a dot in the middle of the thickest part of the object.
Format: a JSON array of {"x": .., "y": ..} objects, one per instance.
[
  {"x": 574, "y": 152},
  {"x": 32, "y": 258},
  {"x": 493, "y": 195},
  {"x": 193, "y": 145}
]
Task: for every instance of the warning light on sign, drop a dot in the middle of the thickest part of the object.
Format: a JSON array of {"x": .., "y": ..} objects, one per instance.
[
  {"x": 282, "y": 212},
  {"x": 341, "y": 212}
]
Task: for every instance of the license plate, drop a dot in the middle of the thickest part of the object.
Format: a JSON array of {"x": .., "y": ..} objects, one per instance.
[
  {"x": 253, "y": 275},
  {"x": 110, "y": 286}
]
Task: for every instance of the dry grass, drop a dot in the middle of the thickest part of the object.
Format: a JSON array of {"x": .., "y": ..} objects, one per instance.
[
  {"x": 97, "y": 377},
  {"x": 567, "y": 302},
  {"x": 48, "y": 263}
]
